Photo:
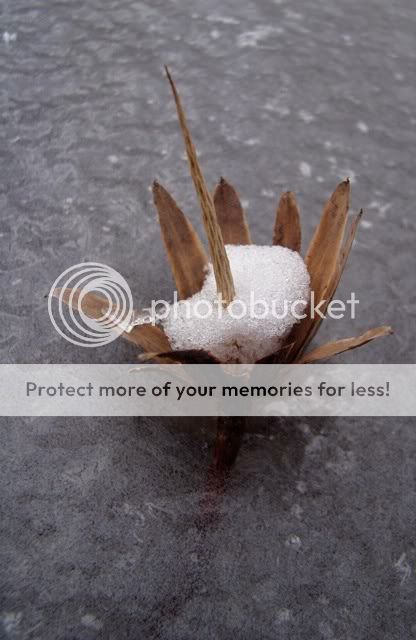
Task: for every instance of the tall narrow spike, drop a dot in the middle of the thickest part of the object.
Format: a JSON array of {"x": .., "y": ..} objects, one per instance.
[{"x": 220, "y": 262}]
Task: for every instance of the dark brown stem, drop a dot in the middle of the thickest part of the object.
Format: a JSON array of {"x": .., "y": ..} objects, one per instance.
[{"x": 230, "y": 431}]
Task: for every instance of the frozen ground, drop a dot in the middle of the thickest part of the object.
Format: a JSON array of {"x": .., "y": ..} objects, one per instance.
[{"x": 315, "y": 537}]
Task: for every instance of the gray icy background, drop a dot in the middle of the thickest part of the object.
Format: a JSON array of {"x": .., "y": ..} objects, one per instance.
[{"x": 315, "y": 537}]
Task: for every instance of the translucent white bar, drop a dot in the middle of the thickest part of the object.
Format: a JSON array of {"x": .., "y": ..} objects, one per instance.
[{"x": 207, "y": 390}]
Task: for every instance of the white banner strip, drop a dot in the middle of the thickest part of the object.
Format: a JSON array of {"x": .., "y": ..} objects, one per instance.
[{"x": 207, "y": 390}]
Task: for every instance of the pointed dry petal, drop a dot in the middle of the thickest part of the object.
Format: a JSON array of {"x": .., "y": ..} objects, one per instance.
[
  {"x": 147, "y": 336},
  {"x": 230, "y": 214},
  {"x": 346, "y": 249},
  {"x": 186, "y": 255},
  {"x": 323, "y": 256},
  {"x": 93, "y": 305},
  {"x": 344, "y": 253},
  {"x": 323, "y": 260},
  {"x": 287, "y": 231},
  {"x": 219, "y": 257},
  {"x": 326, "y": 243},
  {"x": 339, "y": 346}
]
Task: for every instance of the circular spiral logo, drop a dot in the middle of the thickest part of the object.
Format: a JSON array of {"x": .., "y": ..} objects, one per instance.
[{"x": 101, "y": 299}]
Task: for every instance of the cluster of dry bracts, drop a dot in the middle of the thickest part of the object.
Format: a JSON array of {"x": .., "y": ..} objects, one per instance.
[{"x": 225, "y": 223}]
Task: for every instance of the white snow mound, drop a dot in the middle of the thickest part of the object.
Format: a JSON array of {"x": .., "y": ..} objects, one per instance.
[{"x": 271, "y": 283}]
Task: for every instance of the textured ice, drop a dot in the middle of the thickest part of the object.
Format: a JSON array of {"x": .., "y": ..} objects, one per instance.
[
  {"x": 274, "y": 275},
  {"x": 79, "y": 537}
]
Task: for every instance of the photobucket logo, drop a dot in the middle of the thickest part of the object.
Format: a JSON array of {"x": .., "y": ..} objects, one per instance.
[
  {"x": 71, "y": 316},
  {"x": 255, "y": 308}
]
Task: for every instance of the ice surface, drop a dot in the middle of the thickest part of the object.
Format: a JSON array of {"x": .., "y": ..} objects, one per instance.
[
  {"x": 272, "y": 287},
  {"x": 98, "y": 515}
]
